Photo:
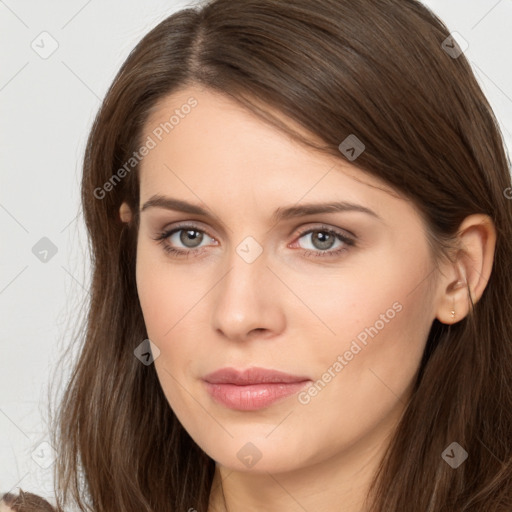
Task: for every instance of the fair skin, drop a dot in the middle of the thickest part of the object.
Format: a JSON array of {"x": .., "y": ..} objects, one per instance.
[
  {"x": 4, "y": 507},
  {"x": 287, "y": 309}
]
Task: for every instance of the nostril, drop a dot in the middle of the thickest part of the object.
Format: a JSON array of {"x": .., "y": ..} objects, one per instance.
[{"x": 258, "y": 329}]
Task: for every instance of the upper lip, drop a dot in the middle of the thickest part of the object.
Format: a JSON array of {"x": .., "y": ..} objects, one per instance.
[{"x": 252, "y": 375}]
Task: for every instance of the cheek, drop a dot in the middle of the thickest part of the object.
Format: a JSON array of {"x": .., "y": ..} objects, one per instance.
[
  {"x": 383, "y": 293},
  {"x": 381, "y": 320},
  {"x": 365, "y": 375},
  {"x": 167, "y": 292},
  {"x": 167, "y": 296},
  {"x": 170, "y": 297},
  {"x": 378, "y": 315},
  {"x": 153, "y": 299}
]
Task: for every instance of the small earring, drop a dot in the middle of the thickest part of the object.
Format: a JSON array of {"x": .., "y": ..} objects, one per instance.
[{"x": 453, "y": 310}]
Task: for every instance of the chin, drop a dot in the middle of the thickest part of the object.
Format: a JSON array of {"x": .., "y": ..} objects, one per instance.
[{"x": 258, "y": 453}]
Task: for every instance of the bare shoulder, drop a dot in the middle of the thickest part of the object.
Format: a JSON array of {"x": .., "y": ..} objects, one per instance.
[{"x": 4, "y": 503}]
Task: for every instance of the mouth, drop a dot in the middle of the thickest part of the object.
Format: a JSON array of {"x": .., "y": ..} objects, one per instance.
[{"x": 253, "y": 388}]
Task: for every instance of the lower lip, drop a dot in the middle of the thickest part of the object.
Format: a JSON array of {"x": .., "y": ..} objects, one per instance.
[{"x": 253, "y": 396}]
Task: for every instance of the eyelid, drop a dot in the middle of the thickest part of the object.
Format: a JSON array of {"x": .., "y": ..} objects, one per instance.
[
  {"x": 325, "y": 227},
  {"x": 184, "y": 225},
  {"x": 312, "y": 226}
]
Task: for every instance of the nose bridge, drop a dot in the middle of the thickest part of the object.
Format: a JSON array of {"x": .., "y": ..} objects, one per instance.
[
  {"x": 242, "y": 286},
  {"x": 246, "y": 298}
]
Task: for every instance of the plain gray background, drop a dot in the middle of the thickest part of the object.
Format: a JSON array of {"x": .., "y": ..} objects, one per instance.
[{"x": 48, "y": 103}]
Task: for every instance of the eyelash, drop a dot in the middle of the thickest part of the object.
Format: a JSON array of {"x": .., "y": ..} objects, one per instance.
[{"x": 162, "y": 237}]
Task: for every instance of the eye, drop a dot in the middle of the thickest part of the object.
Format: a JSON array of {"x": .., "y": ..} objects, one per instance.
[
  {"x": 323, "y": 239},
  {"x": 188, "y": 236}
]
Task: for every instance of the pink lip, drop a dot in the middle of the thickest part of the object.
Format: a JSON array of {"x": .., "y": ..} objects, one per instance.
[{"x": 253, "y": 388}]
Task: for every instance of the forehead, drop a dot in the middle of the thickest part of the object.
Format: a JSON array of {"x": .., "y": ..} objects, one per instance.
[{"x": 207, "y": 144}]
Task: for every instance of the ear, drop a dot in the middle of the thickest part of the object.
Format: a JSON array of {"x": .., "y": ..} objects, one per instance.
[
  {"x": 464, "y": 279},
  {"x": 125, "y": 213}
]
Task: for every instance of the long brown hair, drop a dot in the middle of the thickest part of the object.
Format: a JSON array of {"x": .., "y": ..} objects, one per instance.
[{"x": 378, "y": 69}]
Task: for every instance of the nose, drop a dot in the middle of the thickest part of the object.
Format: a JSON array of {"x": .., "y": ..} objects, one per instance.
[{"x": 248, "y": 300}]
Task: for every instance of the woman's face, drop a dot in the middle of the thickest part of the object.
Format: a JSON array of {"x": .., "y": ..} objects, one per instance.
[{"x": 338, "y": 299}]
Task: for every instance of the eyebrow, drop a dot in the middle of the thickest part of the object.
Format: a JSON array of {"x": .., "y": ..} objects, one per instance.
[{"x": 281, "y": 213}]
